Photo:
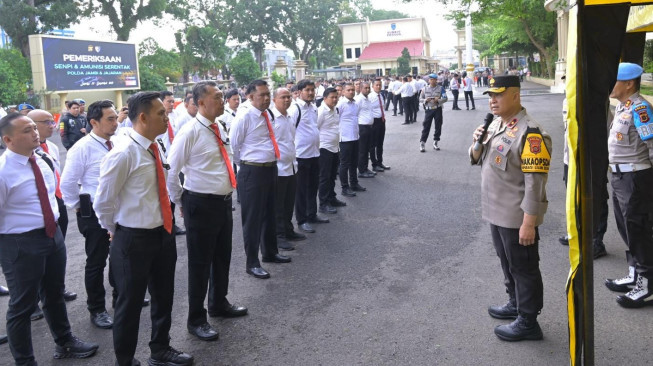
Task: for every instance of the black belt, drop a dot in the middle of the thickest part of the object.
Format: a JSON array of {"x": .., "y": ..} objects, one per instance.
[
  {"x": 138, "y": 230},
  {"x": 208, "y": 195},
  {"x": 266, "y": 165}
]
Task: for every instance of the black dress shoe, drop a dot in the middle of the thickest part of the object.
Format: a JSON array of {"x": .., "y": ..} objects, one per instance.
[
  {"x": 406, "y": 123},
  {"x": 386, "y": 167},
  {"x": 599, "y": 250},
  {"x": 328, "y": 209},
  {"x": 348, "y": 192},
  {"x": 366, "y": 174},
  {"x": 378, "y": 169},
  {"x": 3, "y": 339},
  {"x": 564, "y": 240},
  {"x": 284, "y": 245},
  {"x": 358, "y": 188},
  {"x": 293, "y": 236},
  {"x": 102, "y": 320},
  {"x": 178, "y": 230},
  {"x": 318, "y": 220},
  {"x": 337, "y": 203},
  {"x": 230, "y": 311},
  {"x": 523, "y": 328},
  {"x": 37, "y": 314},
  {"x": 278, "y": 258},
  {"x": 306, "y": 227},
  {"x": 170, "y": 357},
  {"x": 4, "y": 291},
  {"x": 204, "y": 332},
  {"x": 146, "y": 302},
  {"x": 75, "y": 348},
  {"x": 69, "y": 296},
  {"x": 258, "y": 272}
]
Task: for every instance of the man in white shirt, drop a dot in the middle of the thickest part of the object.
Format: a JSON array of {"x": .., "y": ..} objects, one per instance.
[
  {"x": 28, "y": 215},
  {"x": 468, "y": 88},
  {"x": 378, "y": 128},
  {"x": 406, "y": 93},
  {"x": 365, "y": 121},
  {"x": 205, "y": 199},
  {"x": 349, "y": 142},
  {"x": 396, "y": 97},
  {"x": 284, "y": 132},
  {"x": 189, "y": 112},
  {"x": 307, "y": 146},
  {"x": 319, "y": 92},
  {"x": 328, "y": 123},
  {"x": 255, "y": 149},
  {"x": 132, "y": 203},
  {"x": 414, "y": 100},
  {"x": 232, "y": 100},
  {"x": 83, "y": 168}
]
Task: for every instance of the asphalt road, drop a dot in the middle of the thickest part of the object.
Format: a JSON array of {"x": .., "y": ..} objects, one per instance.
[{"x": 401, "y": 276}]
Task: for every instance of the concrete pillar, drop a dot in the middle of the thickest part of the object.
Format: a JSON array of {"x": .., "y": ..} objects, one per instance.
[
  {"x": 118, "y": 99},
  {"x": 468, "y": 45},
  {"x": 281, "y": 67},
  {"x": 62, "y": 102},
  {"x": 300, "y": 69},
  {"x": 169, "y": 85}
]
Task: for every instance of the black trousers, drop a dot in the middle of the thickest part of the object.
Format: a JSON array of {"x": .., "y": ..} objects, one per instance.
[
  {"x": 34, "y": 267},
  {"x": 632, "y": 200},
  {"x": 469, "y": 95},
  {"x": 364, "y": 143},
  {"x": 455, "y": 98},
  {"x": 521, "y": 269},
  {"x": 142, "y": 259},
  {"x": 408, "y": 108},
  {"x": 388, "y": 98},
  {"x": 258, "y": 186},
  {"x": 396, "y": 100},
  {"x": 96, "y": 245},
  {"x": 432, "y": 116},
  {"x": 285, "y": 204},
  {"x": 348, "y": 163},
  {"x": 209, "y": 224},
  {"x": 63, "y": 217},
  {"x": 415, "y": 106},
  {"x": 376, "y": 144},
  {"x": 329, "y": 162},
  {"x": 308, "y": 180}
]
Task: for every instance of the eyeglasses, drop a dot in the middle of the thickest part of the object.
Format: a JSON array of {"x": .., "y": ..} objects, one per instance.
[{"x": 48, "y": 122}]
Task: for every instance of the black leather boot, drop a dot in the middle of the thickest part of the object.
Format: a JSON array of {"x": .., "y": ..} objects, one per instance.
[
  {"x": 507, "y": 311},
  {"x": 525, "y": 327}
]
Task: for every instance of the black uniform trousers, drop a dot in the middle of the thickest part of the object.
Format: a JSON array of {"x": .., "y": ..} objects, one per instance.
[
  {"x": 376, "y": 144},
  {"x": 632, "y": 200},
  {"x": 469, "y": 95},
  {"x": 455, "y": 98},
  {"x": 432, "y": 116},
  {"x": 258, "y": 185},
  {"x": 308, "y": 180},
  {"x": 96, "y": 245},
  {"x": 388, "y": 98},
  {"x": 408, "y": 108},
  {"x": 396, "y": 100},
  {"x": 142, "y": 259},
  {"x": 348, "y": 163},
  {"x": 285, "y": 204},
  {"x": 34, "y": 267},
  {"x": 63, "y": 217},
  {"x": 364, "y": 144},
  {"x": 521, "y": 269},
  {"x": 329, "y": 162},
  {"x": 415, "y": 106},
  {"x": 209, "y": 224}
]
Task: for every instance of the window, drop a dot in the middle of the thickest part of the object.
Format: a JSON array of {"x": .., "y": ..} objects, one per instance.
[
  {"x": 348, "y": 53},
  {"x": 358, "y": 52}
]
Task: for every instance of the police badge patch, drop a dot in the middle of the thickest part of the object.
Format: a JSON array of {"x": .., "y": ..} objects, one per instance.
[{"x": 535, "y": 157}]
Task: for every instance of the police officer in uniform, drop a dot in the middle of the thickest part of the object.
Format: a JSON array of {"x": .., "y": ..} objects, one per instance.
[
  {"x": 514, "y": 155},
  {"x": 432, "y": 101},
  {"x": 630, "y": 148}
]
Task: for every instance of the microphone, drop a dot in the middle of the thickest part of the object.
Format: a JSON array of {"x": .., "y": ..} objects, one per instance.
[{"x": 488, "y": 120}]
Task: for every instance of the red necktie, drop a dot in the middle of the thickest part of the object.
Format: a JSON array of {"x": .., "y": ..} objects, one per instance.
[
  {"x": 57, "y": 192},
  {"x": 274, "y": 140},
  {"x": 164, "y": 200},
  {"x": 225, "y": 156},
  {"x": 381, "y": 104},
  {"x": 48, "y": 215},
  {"x": 171, "y": 133},
  {"x": 109, "y": 145}
]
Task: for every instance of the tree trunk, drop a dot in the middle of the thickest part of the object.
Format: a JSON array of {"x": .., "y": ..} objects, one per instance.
[{"x": 540, "y": 47}]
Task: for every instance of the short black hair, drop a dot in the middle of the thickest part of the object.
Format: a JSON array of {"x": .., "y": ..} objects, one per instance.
[
  {"x": 304, "y": 83},
  {"x": 5, "y": 122},
  {"x": 96, "y": 109},
  {"x": 188, "y": 98},
  {"x": 200, "y": 89},
  {"x": 230, "y": 93},
  {"x": 141, "y": 102},
  {"x": 165, "y": 93},
  {"x": 254, "y": 84},
  {"x": 293, "y": 88},
  {"x": 328, "y": 91},
  {"x": 70, "y": 103}
]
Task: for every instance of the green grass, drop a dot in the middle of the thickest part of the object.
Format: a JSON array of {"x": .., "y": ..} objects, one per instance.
[{"x": 646, "y": 90}]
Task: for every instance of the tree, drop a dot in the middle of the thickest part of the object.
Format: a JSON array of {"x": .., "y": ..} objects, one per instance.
[
  {"x": 244, "y": 68},
  {"x": 151, "y": 81},
  {"x": 278, "y": 79},
  {"x": 403, "y": 62},
  {"x": 165, "y": 64},
  {"x": 20, "y": 18},
  {"x": 201, "y": 49},
  {"x": 15, "y": 77}
]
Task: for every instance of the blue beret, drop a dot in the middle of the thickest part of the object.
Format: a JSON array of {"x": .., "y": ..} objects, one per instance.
[
  {"x": 24, "y": 106},
  {"x": 80, "y": 101},
  {"x": 433, "y": 76},
  {"x": 629, "y": 71}
]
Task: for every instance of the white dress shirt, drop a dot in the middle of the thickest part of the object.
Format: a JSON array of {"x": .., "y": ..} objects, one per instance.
[
  {"x": 83, "y": 167},
  {"x": 420, "y": 84},
  {"x": 396, "y": 86},
  {"x": 348, "y": 119},
  {"x": 228, "y": 116},
  {"x": 307, "y": 136},
  {"x": 328, "y": 122},
  {"x": 406, "y": 90},
  {"x": 250, "y": 138},
  {"x": 195, "y": 152},
  {"x": 181, "y": 121},
  {"x": 128, "y": 191},
  {"x": 319, "y": 92},
  {"x": 364, "y": 109},
  {"x": 377, "y": 109},
  {"x": 53, "y": 152},
  {"x": 469, "y": 84},
  {"x": 20, "y": 208},
  {"x": 284, "y": 132},
  {"x": 413, "y": 84},
  {"x": 165, "y": 137}
]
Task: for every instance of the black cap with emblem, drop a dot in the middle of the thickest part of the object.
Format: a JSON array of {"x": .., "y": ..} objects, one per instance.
[{"x": 500, "y": 83}]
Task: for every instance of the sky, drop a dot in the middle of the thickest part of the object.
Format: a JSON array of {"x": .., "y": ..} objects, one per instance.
[{"x": 441, "y": 30}]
